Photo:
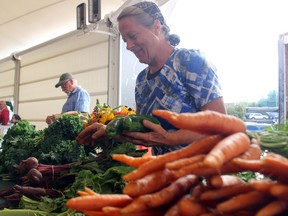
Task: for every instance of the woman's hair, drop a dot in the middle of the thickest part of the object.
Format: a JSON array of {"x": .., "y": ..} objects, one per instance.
[
  {"x": 146, "y": 13},
  {"x": 17, "y": 117}
]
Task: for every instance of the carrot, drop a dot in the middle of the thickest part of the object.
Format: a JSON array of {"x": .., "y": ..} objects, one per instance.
[
  {"x": 115, "y": 211},
  {"x": 245, "y": 164},
  {"x": 198, "y": 168},
  {"x": 198, "y": 190},
  {"x": 97, "y": 202},
  {"x": 90, "y": 192},
  {"x": 275, "y": 207},
  {"x": 205, "y": 122},
  {"x": 147, "y": 184},
  {"x": 263, "y": 185},
  {"x": 82, "y": 193},
  {"x": 228, "y": 148},
  {"x": 163, "y": 197},
  {"x": 218, "y": 181},
  {"x": 242, "y": 201},
  {"x": 280, "y": 191},
  {"x": 172, "y": 211},
  {"x": 175, "y": 165},
  {"x": 277, "y": 165},
  {"x": 208, "y": 214},
  {"x": 253, "y": 153},
  {"x": 201, "y": 146},
  {"x": 189, "y": 207},
  {"x": 93, "y": 213},
  {"x": 132, "y": 161},
  {"x": 225, "y": 192},
  {"x": 201, "y": 169},
  {"x": 87, "y": 192}
]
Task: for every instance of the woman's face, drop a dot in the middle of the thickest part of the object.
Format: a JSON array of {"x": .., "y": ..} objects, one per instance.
[
  {"x": 13, "y": 119},
  {"x": 140, "y": 40}
]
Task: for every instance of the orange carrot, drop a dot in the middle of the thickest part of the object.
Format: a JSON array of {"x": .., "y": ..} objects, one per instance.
[
  {"x": 277, "y": 165},
  {"x": 198, "y": 168},
  {"x": 208, "y": 214},
  {"x": 201, "y": 169},
  {"x": 177, "y": 164},
  {"x": 228, "y": 148},
  {"x": 132, "y": 161},
  {"x": 90, "y": 192},
  {"x": 163, "y": 197},
  {"x": 82, "y": 193},
  {"x": 115, "y": 211},
  {"x": 87, "y": 192},
  {"x": 280, "y": 191},
  {"x": 198, "y": 190},
  {"x": 173, "y": 210},
  {"x": 225, "y": 192},
  {"x": 242, "y": 201},
  {"x": 93, "y": 213},
  {"x": 205, "y": 122},
  {"x": 147, "y": 184},
  {"x": 251, "y": 165},
  {"x": 275, "y": 207},
  {"x": 218, "y": 181},
  {"x": 253, "y": 153},
  {"x": 189, "y": 207},
  {"x": 201, "y": 146},
  {"x": 97, "y": 202},
  {"x": 263, "y": 185}
]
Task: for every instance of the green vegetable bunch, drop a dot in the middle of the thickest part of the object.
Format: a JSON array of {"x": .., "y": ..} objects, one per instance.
[
  {"x": 275, "y": 139},
  {"x": 59, "y": 145},
  {"x": 54, "y": 145},
  {"x": 129, "y": 123},
  {"x": 20, "y": 142}
]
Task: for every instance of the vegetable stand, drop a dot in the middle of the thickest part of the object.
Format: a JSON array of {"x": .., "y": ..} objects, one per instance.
[{"x": 155, "y": 185}]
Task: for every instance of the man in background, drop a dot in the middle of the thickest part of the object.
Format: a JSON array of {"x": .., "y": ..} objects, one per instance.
[
  {"x": 78, "y": 98},
  {"x": 4, "y": 113}
]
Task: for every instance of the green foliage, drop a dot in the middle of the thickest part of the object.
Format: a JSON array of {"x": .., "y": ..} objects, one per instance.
[
  {"x": 237, "y": 110},
  {"x": 54, "y": 145},
  {"x": 19, "y": 143},
  {"x": 67, "y": 128},
  {"x": 275, "y": 139}
]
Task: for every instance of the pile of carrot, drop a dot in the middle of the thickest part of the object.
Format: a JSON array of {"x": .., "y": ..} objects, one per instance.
[{"x": 197, "y": 179}]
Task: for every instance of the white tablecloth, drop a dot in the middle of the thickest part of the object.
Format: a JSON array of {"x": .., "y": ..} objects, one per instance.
[{"x": 4, "y": 129}]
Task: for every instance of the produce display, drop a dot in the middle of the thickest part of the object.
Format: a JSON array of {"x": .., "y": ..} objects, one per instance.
[
  {"x": 200, "y": 179},
  {"x": 228, "y": 172},
  {"x": 48, "y": 167}
]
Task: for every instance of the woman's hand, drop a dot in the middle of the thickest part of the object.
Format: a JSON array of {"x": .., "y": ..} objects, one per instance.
[
  {"x": 159, "y": 136},
  {"x": 90, "y": 134}
]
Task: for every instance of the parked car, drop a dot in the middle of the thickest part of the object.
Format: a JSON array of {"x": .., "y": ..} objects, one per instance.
[
  {"x": 273, "y": 115},
  {"x": 256, "y": 127},
  {"x": 257, "y": 116}
]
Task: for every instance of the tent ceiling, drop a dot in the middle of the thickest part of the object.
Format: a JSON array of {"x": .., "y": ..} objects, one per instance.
[{"x": 24, "y": 24}]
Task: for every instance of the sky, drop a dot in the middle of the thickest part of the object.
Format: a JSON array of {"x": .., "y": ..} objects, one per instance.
[{"x": 240, "y": 37}]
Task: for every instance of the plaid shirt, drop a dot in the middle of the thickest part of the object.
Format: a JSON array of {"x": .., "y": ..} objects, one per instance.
[{"x": 184, "y": 84}]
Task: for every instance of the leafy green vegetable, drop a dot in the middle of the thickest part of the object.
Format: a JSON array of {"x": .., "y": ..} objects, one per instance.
[
  {"x": 275, "y": 139},
  {"x": 19, "y": 143},
  {"x": 54, "y": 145}
]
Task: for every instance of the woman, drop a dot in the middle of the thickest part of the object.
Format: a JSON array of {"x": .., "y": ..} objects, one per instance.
[
  {"x": 179, "y": 80},
  {"x": 15, "y": 118},
  {"x": 4, "y": 113}
]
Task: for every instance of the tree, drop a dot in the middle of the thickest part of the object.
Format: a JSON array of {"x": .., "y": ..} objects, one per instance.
[{"x": 238, "y": 110}]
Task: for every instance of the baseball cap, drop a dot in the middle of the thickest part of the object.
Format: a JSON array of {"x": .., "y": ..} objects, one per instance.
[{"x": 63, "y": 78}]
